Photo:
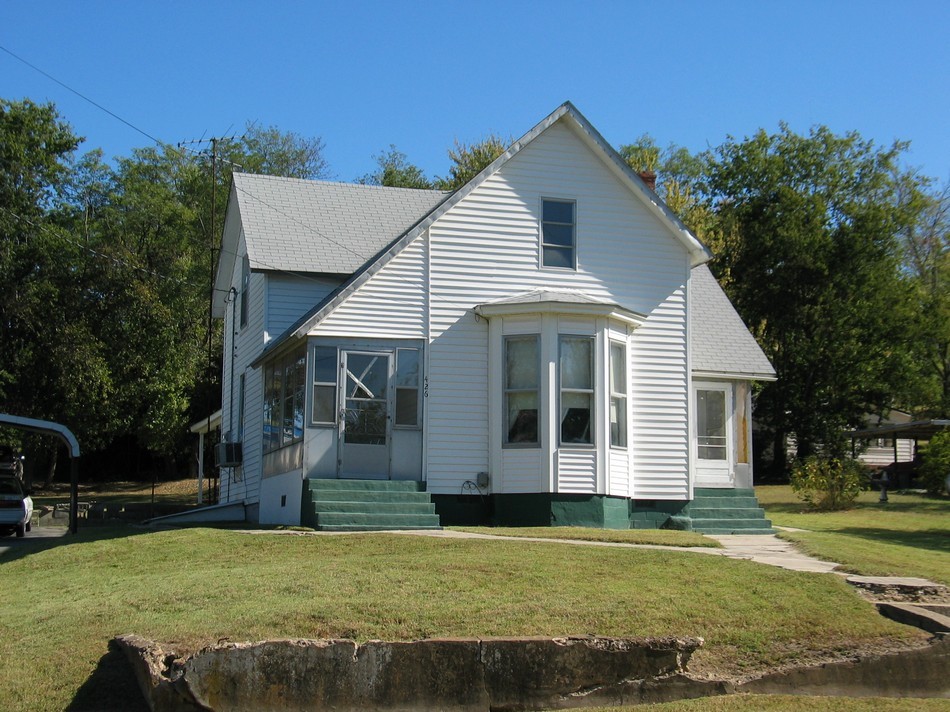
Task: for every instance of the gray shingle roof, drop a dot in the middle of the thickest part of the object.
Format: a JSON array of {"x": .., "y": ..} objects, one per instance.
[
  {"x": 319, "y": 226},
  {"x": 720, "y": 341}
]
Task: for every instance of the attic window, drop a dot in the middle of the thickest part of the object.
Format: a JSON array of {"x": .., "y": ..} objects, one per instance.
[{"x": 557, "y": 233}]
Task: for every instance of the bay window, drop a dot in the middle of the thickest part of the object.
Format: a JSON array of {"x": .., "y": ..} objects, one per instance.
[
  {"x": 522, "y": 382},
  {"x": 576, "y": 371}
]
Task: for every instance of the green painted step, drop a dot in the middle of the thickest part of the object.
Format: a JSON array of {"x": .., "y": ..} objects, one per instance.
[
  {"x": 719, "y": 502},
  {"x": 405, "y": 521},
  {"x": 356, "y": 495},
  {"x": 367, "y": 505},
  {"x": 425, "y": 507},
  {"x": 374, "y": 485},
  {"x": 701, "y": 514},
  {"x": 703, "y": 525},
  {"x": 722, "y": 492}
]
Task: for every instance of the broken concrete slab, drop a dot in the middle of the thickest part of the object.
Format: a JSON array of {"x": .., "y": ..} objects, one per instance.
[
  {"x": 933, "y": 619},
  {"x": 436, "y": 674}
]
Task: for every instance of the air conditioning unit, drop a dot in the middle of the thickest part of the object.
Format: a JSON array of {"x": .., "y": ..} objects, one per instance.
[{"x": 228, "y": 455}]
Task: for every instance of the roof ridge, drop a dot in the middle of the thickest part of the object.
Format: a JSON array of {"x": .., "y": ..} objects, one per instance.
[{"x": 342, "y": 184}]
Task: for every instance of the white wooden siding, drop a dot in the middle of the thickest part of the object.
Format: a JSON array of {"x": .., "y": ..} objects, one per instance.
[
  {"x": 486, "y": 248},
  {"x": 619, "y": 472},
  {"x": 881, "y": 456},
  {"x": 290, "y": 296},
  {"x": 577, "y": 471},
  {"x": 522, "y": 471},
  {"x": 248, "y": 342},
  {"x": 660, "y": 395},
  {"x": 391, "y": 304}
]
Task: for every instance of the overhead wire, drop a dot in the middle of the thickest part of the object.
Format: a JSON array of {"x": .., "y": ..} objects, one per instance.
[{"x": 182, "y": 148}]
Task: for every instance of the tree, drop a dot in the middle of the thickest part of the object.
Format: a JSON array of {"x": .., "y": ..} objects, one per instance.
[
  {"x": 926, "y": 242},
  {"x": 468, "y": 160},
  {"x": 53, "y": 365},
  {"x": 394, "y": 170},
  {"x": 270, "y": 151},
  {"x": 807, "y": 248}
]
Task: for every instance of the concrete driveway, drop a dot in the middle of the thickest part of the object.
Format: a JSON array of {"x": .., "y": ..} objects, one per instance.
[{"x": 11, "y": 542}]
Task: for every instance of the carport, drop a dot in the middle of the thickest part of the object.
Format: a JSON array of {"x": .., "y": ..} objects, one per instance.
[
  {"x": 46, "y": 427},
  {"x": 917, "y": 430}
]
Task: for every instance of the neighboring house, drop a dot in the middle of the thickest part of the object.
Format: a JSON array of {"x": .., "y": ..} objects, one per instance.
[{"x": 544, "y": 345}]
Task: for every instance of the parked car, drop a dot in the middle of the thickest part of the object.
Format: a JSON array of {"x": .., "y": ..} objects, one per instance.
[
  {"x": 10, "y": 462},
  {"x": 16, "y": 506}
]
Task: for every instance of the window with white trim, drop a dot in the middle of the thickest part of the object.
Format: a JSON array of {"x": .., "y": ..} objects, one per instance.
[
  {"x": 522, "y": 390},
  {"x": 284, "y": 384},
  {"x": 711, "y": 421},
  {"x": 408, "y": 366},
  {"x": 324, "y": 407},
  {"x": 576, "y": 375},
  {"x": 558, "y": 222},
  {"x": 618, "y": 394}
]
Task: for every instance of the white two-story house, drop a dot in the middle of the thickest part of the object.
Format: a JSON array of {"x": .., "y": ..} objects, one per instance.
[{"x": 544, "y": 345}]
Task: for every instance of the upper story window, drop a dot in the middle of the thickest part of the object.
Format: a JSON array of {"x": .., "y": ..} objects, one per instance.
[
  {"x": 245, "y": 289},
  {"x": 558, "y": 222}
]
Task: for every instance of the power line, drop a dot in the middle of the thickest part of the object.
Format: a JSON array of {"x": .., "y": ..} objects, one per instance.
[
  {"x": 111, "y": 258},
  {"x": 82, "y": 96}
]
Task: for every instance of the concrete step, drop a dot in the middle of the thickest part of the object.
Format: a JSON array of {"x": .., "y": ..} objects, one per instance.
[
  {"x": 376, "y": 521},
  {"x": 374, "y": 507},
  {"x": 365, "y": 495},
  {"x": 736, "y": 502},
  {"x": 371, "y": 528},
  {"x": 733, "y": 526},
  {"x": 316, "y": 484},
  {"x": 699, "y": 514},
  {"x": 724, "y": 531},
  {"x": 722, "y": 492}
]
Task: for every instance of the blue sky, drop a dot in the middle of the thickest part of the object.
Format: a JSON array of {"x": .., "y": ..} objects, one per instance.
[{"x": 364, "y": 75}]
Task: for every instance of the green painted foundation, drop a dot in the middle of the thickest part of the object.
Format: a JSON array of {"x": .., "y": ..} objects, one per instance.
[
  {"x": 553, "y": 510},
  {"x": 725, "y": 511}
]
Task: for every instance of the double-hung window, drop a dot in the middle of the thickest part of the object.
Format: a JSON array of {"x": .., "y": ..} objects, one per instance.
[
  {"x": 558, "y": 233},
  {"x": 522, "y": 390},
  {"x": 576, "y": 370},
  {"x": 245, "y": 289},
  {"x": 408, "y": 362},
  {"x": 618, "y": 394},
  {"x": 324, "y": 385}
]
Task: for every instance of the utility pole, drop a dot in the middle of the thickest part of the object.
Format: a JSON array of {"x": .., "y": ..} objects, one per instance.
[{"x": 212, "y": 242}]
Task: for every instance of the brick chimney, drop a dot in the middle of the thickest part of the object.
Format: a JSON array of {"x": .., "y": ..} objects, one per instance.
[{"x": 648, "y": 177}]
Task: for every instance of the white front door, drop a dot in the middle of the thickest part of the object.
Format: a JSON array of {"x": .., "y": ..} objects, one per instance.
[
  {"x": 365, "y": 424},
  {"x": 713, "y": 445}
]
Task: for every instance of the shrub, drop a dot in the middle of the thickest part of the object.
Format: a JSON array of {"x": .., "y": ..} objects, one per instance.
[
  {"x": 828, "y": 483},
  {"x": 935, "y": 463}
]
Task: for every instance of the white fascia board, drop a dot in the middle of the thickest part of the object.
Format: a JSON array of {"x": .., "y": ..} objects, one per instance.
[
  {"x": 735, "y": 376},
  {"x": 227, "y": 255},
  {"x": 611, "y": 311},
  {"x": 698, "y": 252}
]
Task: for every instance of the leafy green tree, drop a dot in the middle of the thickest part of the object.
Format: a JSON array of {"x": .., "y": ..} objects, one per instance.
[
  {"x": 808, "y": 250},
  {"x": 468, "y": 160},
  {"x": 926, "y": 242},
  {"x": 269, "y": 151},
  {"x": 53, "y": 364},
  {"x": 393, "y": 169}
]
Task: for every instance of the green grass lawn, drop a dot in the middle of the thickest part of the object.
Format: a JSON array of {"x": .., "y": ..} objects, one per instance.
[
  {"x": 64, "y": 600},
  {"x": 790, "y": 703},
  {"x": 907, "y": 536},
  {"x": 661, "y": 537},
  {"x": 169, "y": 492}
]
